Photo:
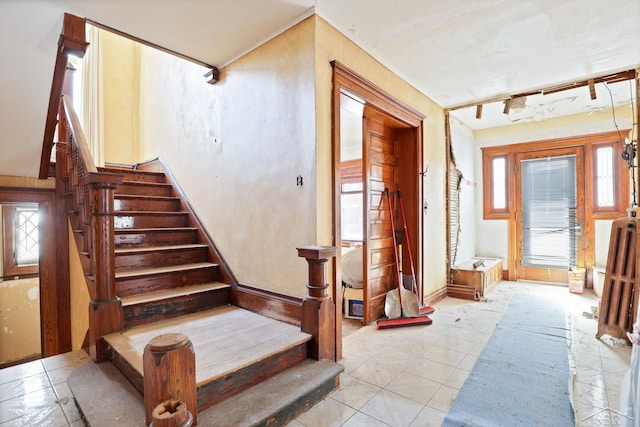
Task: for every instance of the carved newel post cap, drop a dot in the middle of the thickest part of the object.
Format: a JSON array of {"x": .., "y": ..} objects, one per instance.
[
  {"x": 317, "y": 252},
  {"x": 171, "y": 413},
  {"x": 167, "y": 342}
]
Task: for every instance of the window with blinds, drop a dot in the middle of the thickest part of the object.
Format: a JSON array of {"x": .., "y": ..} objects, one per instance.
[{"x": 549, "y": 220}]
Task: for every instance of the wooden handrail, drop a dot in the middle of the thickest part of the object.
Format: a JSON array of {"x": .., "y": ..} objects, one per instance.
[
  {"x": 72, "y": 41},
  {"x": 75, "y": 128}
]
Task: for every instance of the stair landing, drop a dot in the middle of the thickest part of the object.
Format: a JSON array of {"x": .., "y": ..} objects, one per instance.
[{"x": 225, "y": 340}]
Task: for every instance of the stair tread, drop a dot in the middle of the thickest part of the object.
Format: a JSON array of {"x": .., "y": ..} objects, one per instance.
[
  {"x": 241, "y": 339},
  {"x": 142, "y": 196},
  {"x": 122, "y": 213},
  {"x": 139, "y": 272},
  {"x": 152, "y": 229},
  {"x": 171, "y": 293},
  {"x": 145, "y": 249},
  {"x": 145, "y": 183}
]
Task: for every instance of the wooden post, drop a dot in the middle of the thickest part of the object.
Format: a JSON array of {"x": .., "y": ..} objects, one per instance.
[
  {"x": 171, "y": 413},
  {"x": 318, "y": 309},
  {"x": 105, "y": 315},
  {"x": 169, "y": 370}
]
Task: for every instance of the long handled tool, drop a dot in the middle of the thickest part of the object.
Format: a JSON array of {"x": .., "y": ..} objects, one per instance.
[
  {"x": 423, "y": 309},
  {"x": 396, "y": 312}
]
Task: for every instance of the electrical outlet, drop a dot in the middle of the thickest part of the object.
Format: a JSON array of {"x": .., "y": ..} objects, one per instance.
[{"x": 299, "y": 181}]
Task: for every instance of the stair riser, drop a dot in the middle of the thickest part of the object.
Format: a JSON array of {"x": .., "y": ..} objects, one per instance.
[
  {"x": 144, "y": 190},
  {"x": 130, "y": 174},
  {"x": 169, "y": 257},
  {"x": 154, "y": 311},
  {"x": 218, "y": 390},
  {"x": 223, "y": 388},
  {"x": 175, "y": 279},
  {"x": 144, "y": 177},
  {"x": 288, "y": 413},
  {"x": 146, "y": 205},
  {"x": 150, "y": 221},
  {"x": 156, "y": 237}
]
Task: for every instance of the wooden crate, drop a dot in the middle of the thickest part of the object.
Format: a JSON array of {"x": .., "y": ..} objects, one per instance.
[{"x": 480, "y": 279}]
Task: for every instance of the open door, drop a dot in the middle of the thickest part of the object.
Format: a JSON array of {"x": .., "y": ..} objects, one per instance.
[
  {"x": 381, "y": 172},
  {"x": 391, "y": 157}
]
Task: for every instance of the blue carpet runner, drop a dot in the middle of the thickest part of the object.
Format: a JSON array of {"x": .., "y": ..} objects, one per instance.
[{"x": 521, "y": 378}]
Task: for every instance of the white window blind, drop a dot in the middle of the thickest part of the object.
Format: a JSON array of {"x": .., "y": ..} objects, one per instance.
[{"x": 549, "y": 221}]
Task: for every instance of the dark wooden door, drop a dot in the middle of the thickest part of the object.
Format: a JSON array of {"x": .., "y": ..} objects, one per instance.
[{"x": 381, "y": 172}]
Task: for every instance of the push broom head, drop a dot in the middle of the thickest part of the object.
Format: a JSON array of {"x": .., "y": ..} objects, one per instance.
[{"x": 403, "y": 321}]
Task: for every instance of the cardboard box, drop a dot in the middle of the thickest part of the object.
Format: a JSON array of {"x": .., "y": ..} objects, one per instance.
[
  {"x": 576, "y": 280},
  {"x": 353, "y": 303}
]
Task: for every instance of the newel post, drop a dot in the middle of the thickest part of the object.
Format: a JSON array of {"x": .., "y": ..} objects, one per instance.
[
  {"x": 318, "y": 309},
  {"x": 105, "y": 313},
  {"x": 169, "y": 371}
]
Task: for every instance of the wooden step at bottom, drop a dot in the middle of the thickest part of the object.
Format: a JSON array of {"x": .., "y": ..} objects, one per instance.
[
  {"x": 235, "y": 348},
  {"x": 153, "y": 306},
  {"x": 105, "y": 397}
]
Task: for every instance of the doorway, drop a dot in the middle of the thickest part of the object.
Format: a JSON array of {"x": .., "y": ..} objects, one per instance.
[
  {"x": 377, "y": 143},
  {"x": 549, "y": 231}
]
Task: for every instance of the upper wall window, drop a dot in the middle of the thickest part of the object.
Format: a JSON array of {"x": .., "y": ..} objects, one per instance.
[
  {"x": 609, "y": 181},
  {"x": 20, "y": 240},
  {"x": 496, "y": 186}
]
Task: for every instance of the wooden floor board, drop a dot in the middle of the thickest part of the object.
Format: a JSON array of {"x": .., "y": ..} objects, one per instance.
[{"x": 230, "y": 337}]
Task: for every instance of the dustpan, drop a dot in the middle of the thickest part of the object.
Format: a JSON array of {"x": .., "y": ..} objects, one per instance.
[{"x": 409, "y": 307}]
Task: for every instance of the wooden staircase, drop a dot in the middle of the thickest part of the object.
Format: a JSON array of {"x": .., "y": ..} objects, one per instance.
[
  {"x": 151, "y": 268},
  {"x": 170, "y": 279}
]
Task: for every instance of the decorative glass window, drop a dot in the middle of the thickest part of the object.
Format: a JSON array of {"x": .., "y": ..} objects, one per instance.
[
  {"x": 26, "y": 235},
  {"x": 605, "y": 193},
  {"x": 20, "y": 240}
]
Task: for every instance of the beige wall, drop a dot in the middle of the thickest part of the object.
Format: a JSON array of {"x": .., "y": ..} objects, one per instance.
[
  {"x": 19, "y": 319},
  {"x": 332, "y": 45},
  {"x": 121, "y": 71},
  {"x": 79, "y": 296},
  {"x": 237, "y": 147}
]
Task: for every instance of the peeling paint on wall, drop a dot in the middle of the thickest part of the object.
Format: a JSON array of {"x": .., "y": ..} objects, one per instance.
[{"x": 20, "y": 321}]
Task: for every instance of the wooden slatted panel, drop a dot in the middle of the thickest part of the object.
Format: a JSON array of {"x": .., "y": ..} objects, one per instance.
[
  {"x": 619, "y": 304},
  {"x": 454, "y": 212}
]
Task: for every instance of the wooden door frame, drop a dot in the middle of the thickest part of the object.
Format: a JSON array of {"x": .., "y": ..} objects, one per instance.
[
  {"x": 589, "y": 142},
  {"x": 55, "y": 321},
  {"x": 345, "y": 80},
  {"x": 581, "y": 256}
]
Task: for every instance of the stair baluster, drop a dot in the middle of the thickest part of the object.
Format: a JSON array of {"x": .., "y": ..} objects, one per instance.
[{"x": 92, "y": 215}]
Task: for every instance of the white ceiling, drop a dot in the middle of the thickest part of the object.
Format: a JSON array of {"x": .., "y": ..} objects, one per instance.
[{"x": 454, "y": 51}]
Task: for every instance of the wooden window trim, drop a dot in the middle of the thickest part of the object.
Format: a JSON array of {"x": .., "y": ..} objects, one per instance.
[
  {"x": 10, "y": 268},
  {"x": 589, "y": 142},
  {"x": 621, "y": 185},
  {"x": 487, "y": 186}
]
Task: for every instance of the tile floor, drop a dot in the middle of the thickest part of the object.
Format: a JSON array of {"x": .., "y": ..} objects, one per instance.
[
  {"x": 36, "y": 393},
  {"x": 411, "y": 376},
  {"x": 395, "y": 377}
]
